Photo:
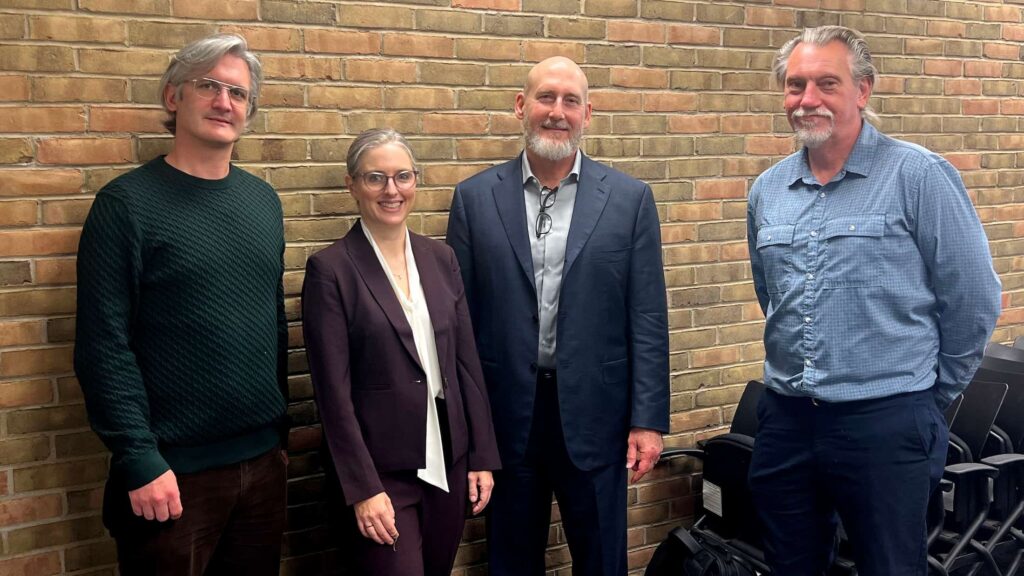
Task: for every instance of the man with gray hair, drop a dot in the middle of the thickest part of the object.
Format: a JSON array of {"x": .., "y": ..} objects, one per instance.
[
  {"x": 874, "y": 275},
  {"x": 182, "y": 337}
]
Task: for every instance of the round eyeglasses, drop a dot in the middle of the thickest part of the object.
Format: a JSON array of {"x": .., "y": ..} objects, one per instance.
[
  {"x": 377, "y": 181},
  {"x": 208, "y": 89}
]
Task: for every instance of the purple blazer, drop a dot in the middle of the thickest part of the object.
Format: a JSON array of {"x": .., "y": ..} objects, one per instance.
[{"x": 370, "y": 387}]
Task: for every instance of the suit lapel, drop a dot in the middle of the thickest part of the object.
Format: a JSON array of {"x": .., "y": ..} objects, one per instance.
[
  {"x": 432, "y": 281},
  {"x": 508, "y": 195},
  {"x": 591, "y": 197},
  {"x": 376, "y": 279}
]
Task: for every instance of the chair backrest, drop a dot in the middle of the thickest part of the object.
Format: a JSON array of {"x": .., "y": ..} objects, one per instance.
[
  {"x": 982, "y": 400},
  {"x": 1004, "y": 352},
  {"x": 953, "y": 408},
  {"x": 1011, "y": 415},
  {"x": 1018, "y": 343},
  {"x": 744, "y": 421}
]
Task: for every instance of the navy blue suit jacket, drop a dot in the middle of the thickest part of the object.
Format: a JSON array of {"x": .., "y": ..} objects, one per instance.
[{"x": 612, "y": 333}]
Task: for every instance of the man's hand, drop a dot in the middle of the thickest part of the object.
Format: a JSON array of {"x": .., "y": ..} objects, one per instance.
[
  {"x": 480, "y": 485},
  {"x": 158, "y": 500},
  {"x": 376, "y": 518},
  {"x": 643, "y": 451}
]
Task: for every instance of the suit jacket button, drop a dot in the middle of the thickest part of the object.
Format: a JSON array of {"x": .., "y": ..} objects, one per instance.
[
  {"x": 535, "y": 319},
  {"x": 533, "y": 366}
]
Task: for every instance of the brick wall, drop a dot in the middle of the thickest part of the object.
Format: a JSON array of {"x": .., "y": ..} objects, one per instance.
[{"x": 682, "y": 99}]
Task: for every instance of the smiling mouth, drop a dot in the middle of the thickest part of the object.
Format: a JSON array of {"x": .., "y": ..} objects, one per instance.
[{"x": 390, "y": 204}]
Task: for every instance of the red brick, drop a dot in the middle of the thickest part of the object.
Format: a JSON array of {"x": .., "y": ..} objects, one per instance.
[
  {"x": 1002, "y": 14},
  {"x": 85, "y": 151},
  {"x": 20, "y": 333},
  {"x": 1012, "y": 107},
  {"x": 534, "y": 51},
  {"x": 455, "y": 124},
  {"x": 132, "y": 120},
  {"x": 690, "y": 34},
  {"x": 44, "y": 564},
  {"x": 947, "y": 28},
  {"x": 693, "y": 124},
  {"x": 669, "y": 102},
  {"x": 980, "y": 107},
  {"x": 222, "y": 10},
  {"x": 965, "y": 161},
  {"x": 507, "y": 5},
  {"x": 619, "y": 31},
  {"x": 639, "y": 78},
  {"x": 21, "y": 510},
  {"x": 746, "y": 124},
  {"x": 268, "y": 38},
  {"x": 616, "y": 101},
  {"x": 770, "y": 17},
  {"x": 39, "y": 242},
  {"x": 16, "y": 88},
  {"x": 974, "y": 68},
  {"x": 943, "y": 67},
  {"x": 25, "y": 393},
  {"x": 720, "y": 188},
  {"x": 1001, "y": 51},
  {"x": 380, "y": 71},
  {"x": 19, "y": 213},
  {"x": 40, "y": 182},
  {"x": 1013, "y": 33},
  {"x": 418, "y": 45},
  {"x": 55, "y": 271},
  {"x": 771, "y": 145},
  {"x": 342, "y": 42},
  {"x": 42, "y": 119},
  {"x": 962, "y": 86},
  {"x": 36, "y": 361}
]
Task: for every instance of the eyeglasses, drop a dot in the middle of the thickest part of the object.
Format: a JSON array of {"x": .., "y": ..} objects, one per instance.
[
  {"x": 547, "y": 200},
  {"x": 377, "y": 181},
  {"x": 208, "y": 89}
]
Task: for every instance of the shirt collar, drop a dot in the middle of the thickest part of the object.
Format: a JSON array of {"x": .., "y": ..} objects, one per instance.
[
  {"x": 858, "y": 162},
  {"x": 574, "y": 174}
]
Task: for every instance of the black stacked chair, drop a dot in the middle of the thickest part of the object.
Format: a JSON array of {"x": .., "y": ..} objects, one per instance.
[{"x": 961, "y": 507}]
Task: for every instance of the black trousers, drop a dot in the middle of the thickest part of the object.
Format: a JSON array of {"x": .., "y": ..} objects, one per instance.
[
  {"x": 874, "y": 463},
  {"x": 231, "y": 523},
  {"x": 592, "y": 503}
]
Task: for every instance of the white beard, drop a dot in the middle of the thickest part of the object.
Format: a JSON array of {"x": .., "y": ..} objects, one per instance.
[
  {"x": 813, "y": 137},
  {"x": 552, "y": 150}
]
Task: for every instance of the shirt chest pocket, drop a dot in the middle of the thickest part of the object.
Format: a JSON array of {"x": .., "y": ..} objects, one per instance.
[
  {"x": 775, "y": 248},
  {"x": 853, "y": 251}
]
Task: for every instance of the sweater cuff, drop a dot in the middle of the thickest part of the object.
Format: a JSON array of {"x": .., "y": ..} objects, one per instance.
[{"x": 140, "y": 471}]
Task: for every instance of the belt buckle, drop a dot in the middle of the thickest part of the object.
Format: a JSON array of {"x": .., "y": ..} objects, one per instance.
[{"x": 816, "y": 402}]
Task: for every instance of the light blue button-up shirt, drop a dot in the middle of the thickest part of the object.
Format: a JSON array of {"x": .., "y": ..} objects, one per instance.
[{"x": 877, "y": 283}]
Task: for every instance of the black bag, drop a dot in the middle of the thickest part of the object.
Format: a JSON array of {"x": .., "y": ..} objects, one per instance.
[{"x": 686, "y": 554}]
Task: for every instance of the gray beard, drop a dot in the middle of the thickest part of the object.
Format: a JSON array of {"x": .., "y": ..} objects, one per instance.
[
  {"x": 812, "y": 138},
  {"x": 552, "y": 150}
]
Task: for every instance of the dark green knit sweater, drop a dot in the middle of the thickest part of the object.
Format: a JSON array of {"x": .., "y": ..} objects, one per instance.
[{"x": 181, "y": 335}]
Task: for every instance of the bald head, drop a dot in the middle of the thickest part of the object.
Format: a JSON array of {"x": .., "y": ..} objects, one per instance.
[{"x": 558, "y": 66}]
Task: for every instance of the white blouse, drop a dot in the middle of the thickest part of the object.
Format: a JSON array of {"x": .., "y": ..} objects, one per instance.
[{"x": 418, "y": 317}]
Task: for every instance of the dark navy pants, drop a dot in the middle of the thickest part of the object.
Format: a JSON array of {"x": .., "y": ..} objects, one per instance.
[
  {"x": 874, "y": 463},
  {"x": 591, "y": 503}
]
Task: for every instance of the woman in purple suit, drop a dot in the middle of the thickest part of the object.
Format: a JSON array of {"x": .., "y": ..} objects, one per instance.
[{"x": 398, "y": 382}]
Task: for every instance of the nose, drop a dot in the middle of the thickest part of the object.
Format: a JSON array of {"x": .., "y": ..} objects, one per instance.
[
  {"x": 557, "y": 111},
  {"x": 811, "y": 97},
  {"x": 222, "y": 100}
]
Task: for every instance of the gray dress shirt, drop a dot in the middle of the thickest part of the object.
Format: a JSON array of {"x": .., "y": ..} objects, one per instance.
[{"x": 549, "y": 251}]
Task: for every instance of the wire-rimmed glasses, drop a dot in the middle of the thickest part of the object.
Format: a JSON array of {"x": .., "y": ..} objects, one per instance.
[
  {"x": 547, "y": 200},
  {"x": 208, "y": 89}
]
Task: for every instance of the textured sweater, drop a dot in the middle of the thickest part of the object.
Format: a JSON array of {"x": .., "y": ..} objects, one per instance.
[{"x": 181, "y": 334}]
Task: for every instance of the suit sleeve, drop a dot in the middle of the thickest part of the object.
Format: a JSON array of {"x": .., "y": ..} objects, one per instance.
[
  {"x": 648, "y": 321},
  {"x": 483, "y": 447},
  {"x": 457, "y": 237},
  {"x": 967, "y": 290},
  {"x": 325, "y": 328},
  {"x": 109, "y": 267}
]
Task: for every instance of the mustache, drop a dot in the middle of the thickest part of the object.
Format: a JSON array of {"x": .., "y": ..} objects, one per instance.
[
  {"x": 819, "y": 111},
  {"x": 560, "y": 125}
]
